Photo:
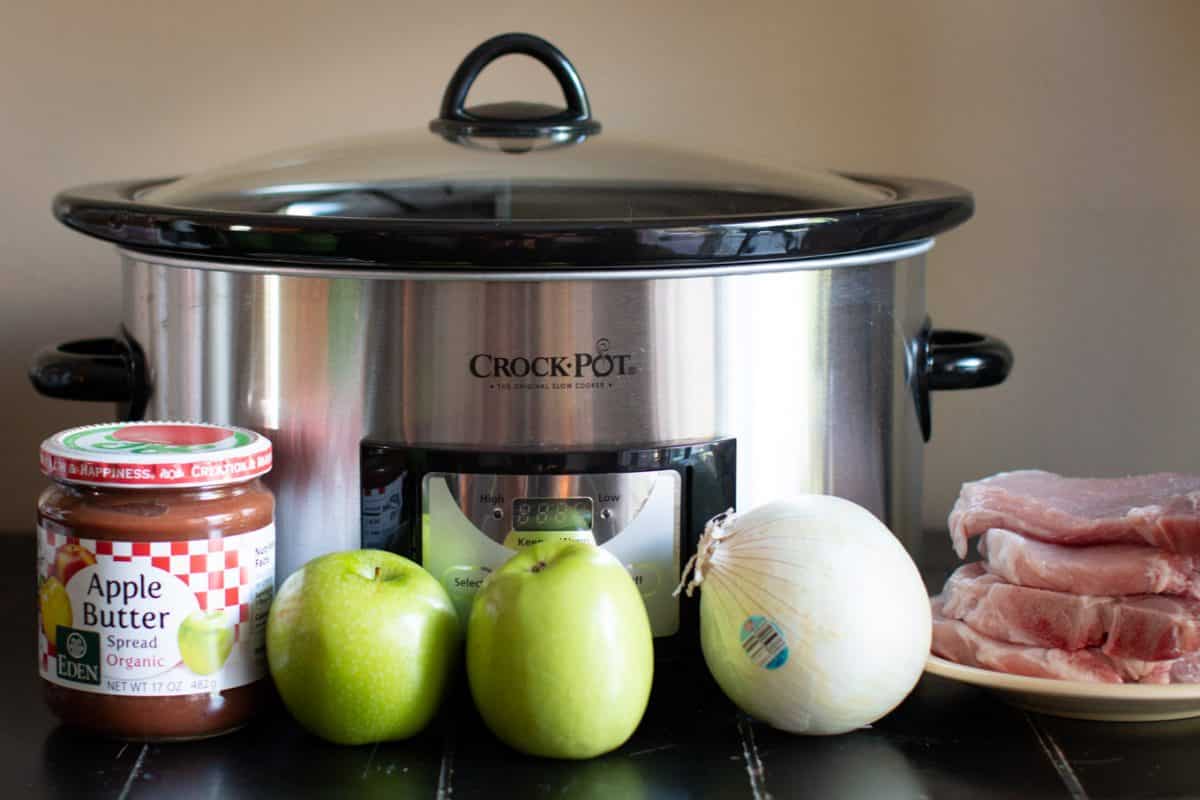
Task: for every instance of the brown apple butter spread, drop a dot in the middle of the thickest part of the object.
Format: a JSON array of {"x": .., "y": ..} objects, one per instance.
[{"x": 155, "y": 575}]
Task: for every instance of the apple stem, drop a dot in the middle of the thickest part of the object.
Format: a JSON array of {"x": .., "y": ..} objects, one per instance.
[
  {"x": 538, "y": 567},
  {"x": 378, "y": 571}
]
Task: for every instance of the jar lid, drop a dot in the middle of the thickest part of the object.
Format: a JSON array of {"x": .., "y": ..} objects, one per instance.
[
  {"x": 149, "y": 455},
  {"x": 510, "y": 186}
]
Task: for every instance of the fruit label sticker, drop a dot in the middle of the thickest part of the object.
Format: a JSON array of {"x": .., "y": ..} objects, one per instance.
[
  {"x": 763, "y": 642},
  {"x": 153, "y": 618}
]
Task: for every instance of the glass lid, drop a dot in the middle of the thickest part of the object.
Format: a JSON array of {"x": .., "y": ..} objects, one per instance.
[{"x": 511, "y": 185}]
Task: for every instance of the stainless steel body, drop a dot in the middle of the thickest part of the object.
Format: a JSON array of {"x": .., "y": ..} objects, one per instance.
[{"x": 808, "y": 364}]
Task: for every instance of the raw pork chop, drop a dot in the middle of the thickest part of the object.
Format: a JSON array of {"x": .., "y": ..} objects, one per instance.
[
  {"x": 1162, "y": 510},
  {"x": 1109, "y": 569},
  {"x": 1146, "y": 627},
  {"x": 956, "y": 641}
]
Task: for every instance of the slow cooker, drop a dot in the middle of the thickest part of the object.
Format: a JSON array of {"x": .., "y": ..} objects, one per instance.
[{"x": 516, "y": 325}]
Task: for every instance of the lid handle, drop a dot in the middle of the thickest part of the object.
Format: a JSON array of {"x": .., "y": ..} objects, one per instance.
[{"x": 515, "y": 119}]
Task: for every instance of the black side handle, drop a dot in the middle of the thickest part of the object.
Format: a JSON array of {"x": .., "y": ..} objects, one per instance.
[
  {"x": 950, "y": 360},
  {"x": 965, "y": 360},
  {"x": 515, "y": 119},
  {"x": 106, "y": 370}
]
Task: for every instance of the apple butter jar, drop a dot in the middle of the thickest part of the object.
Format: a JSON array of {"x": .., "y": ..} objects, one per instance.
[{"x": 156, "y": 568}]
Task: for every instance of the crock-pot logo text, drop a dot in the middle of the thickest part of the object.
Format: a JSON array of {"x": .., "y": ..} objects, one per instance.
[
  {"x": 579, "y": 365},
  {"x": 601, "y": 364}
]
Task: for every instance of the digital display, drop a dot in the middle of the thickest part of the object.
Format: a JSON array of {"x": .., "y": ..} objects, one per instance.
[{"x": 552, "y": 514}]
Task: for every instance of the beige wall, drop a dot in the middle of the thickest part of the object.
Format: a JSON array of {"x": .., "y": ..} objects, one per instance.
[{"x": 1076, "y": 124}]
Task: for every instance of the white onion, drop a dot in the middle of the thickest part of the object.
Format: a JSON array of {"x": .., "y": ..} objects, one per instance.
[{"x": 813, "y": 618}]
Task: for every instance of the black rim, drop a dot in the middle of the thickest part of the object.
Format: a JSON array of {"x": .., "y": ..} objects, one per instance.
[{"x": 919, "y": 209}]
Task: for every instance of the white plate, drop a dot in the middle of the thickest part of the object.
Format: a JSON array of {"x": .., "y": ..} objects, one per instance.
[{"x": 1113, "y": 702}]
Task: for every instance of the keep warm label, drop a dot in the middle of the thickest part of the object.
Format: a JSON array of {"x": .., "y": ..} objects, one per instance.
[{"x": 153, "y": 618}]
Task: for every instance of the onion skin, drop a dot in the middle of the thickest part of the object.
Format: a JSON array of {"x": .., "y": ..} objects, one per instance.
[{"x": 843, "y": 593}]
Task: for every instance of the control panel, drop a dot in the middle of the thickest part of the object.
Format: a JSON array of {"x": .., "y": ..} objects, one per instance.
[
  {"x": 472, "y": 523},
  {"x": 462, "y": 513}
]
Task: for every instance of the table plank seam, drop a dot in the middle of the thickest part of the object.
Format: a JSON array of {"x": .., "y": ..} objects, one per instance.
[
  {"x": 370, "y": 760},
  {"x": 1058, "y": 759},
  {"x": 134, "y": 772},
  {"x": 754, "y": 765},
  {"x": 445, "y": 788}
]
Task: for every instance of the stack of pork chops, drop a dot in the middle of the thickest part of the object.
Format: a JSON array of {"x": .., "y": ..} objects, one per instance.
[{"x": 1081, "y": 579}]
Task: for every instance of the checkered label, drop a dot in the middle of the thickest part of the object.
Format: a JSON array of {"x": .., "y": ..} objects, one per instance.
[{"x": 172, "y": 617}]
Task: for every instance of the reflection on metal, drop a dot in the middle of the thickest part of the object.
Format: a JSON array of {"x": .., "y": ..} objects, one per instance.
[{"x": 267, "y": 397}]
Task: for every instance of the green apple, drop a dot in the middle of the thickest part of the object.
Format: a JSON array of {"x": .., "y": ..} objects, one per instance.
[
  {"x": 559, "y": 651},
  {"x": 205, "y": 639},
  {"x": 361, "y": 646}
]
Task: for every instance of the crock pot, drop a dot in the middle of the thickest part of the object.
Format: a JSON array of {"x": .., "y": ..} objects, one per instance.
[{"x": 518, "y": 294}]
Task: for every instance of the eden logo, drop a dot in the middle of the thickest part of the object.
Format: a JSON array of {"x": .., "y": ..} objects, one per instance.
[{"x": 78, "y": 655}]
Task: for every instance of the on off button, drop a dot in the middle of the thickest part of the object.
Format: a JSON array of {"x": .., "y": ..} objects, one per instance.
[{"x": 461, "y": 584}]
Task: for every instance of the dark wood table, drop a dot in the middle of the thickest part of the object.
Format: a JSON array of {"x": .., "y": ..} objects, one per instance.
[{"x": 946, "y": 740}]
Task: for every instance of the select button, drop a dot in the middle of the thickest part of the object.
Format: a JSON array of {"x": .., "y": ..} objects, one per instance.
[{"x": 464, "y": 580}]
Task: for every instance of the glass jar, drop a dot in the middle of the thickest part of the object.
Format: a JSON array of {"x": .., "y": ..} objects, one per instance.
[
  {"x": 382, "y": 500},
  {"x": 156, "y": 571}
]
